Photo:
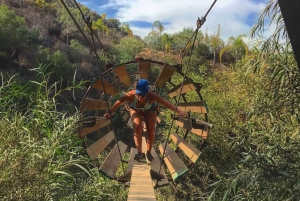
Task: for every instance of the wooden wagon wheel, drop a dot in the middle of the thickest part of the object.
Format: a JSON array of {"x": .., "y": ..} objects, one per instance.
[{"x": 95, "y": 130}]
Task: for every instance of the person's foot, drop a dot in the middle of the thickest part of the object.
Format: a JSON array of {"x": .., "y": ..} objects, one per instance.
[
  {"x": 138, "y": 157},
  {"x": 149, "y": 156}
]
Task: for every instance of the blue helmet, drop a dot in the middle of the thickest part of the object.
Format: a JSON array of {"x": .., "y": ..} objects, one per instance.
[{"x": 142, "y": 87}]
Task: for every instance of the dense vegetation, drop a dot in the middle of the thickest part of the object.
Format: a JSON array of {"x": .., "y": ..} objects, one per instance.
[{"x": 253, "y": 99}]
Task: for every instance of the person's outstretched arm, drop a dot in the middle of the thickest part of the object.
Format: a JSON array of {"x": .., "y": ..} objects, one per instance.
[
  {"x": 125, "y": 98},
  {"x": 157, "y": 98}
]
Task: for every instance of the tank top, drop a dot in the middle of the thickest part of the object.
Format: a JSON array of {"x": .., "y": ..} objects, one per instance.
[{"x": 146, "y": 107}]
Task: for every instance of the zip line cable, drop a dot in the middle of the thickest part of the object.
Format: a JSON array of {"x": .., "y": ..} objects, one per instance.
[{"x": 88, "y": 22}]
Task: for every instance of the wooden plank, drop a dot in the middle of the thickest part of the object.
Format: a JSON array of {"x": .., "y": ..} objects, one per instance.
[
  {"x": 112, "y": 161},
  {"x": 187, "y": 124},
  {"x": 164, "y": 75},
  {"x": 199, "y": 107},
  {"x": 109, "y": 89},
  {"x": 141, "y": 184},
  {"x": 198, "y": 121},
  {"x": 189, "y": 150},
  {"x": 93, "y": 104},
  {"x": 144, "y": 69},
  {"x": 123, "y": 74},
  {"x": 95, "y": 149},
  {"x": 187, "y": 86},
  {"x": 100, "y": 123},
  {"x": 155, "y": 166},
  {"x": 184, "y": 123},
  {"x": 175, "y": 165}
]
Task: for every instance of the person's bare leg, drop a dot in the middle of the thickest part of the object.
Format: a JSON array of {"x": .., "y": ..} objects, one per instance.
[
  {"x": 150, "y": 118},
  {"x": 137, "y": 129}
]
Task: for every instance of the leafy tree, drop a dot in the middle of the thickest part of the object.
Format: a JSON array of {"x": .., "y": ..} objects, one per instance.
[
  {"x": 180, "y": 39},
  {"x": 126, "y": 50},
  {"x": 13, "y": 28},
  {"x": 14, "y": 34},
  {"x": 237, "y": 45},
  {"x": 77, "y": 51},
  {"x": 157, "y": 27},
  {"x": 59, "y": 64},
  {"x": 271, "y": 11},
  {"x": 154, "y": 41},
  {"x": 167, "y": 42},
  {"x": 100, "y": 27},
  {"x": 40, "y": 2},
  {"x": 67, "y": 21},
  {"x": 215, "y": 43},
  {"x": 113, "y": 22},
  {"x": 126, "y": 28}
]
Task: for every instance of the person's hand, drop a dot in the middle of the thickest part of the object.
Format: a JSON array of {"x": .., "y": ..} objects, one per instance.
[
  {"x": 106, "y": 115},
  {"x": 182, "y": 114}
]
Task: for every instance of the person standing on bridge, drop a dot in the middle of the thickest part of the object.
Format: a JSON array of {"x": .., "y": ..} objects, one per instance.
[{"x": 143, "y": 105}]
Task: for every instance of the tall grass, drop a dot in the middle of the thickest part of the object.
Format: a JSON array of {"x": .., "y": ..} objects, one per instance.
[{"x": 41, "y": 154}]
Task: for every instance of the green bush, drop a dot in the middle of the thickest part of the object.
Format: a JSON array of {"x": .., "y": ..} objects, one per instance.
[
  {"x": 77, "y": 51},
  {"x": 59, "y": 64},
  {"x": 41, "y": 155}
]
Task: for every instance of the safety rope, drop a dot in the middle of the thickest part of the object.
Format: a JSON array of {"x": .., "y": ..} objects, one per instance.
[
  {"x": 200, "y": 22},
  {"x": 88, "y": 22}
]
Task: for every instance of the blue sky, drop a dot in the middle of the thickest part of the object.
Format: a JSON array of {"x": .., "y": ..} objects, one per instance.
[{"x": 234, "y": 16}]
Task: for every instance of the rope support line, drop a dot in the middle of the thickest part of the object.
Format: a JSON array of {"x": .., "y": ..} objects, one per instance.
[{"x": 89, "y": 22}]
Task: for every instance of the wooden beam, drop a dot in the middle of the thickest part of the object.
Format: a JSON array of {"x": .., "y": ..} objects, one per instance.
[
  {"x": 141, "y": 184},
  {"x": 189, "y": 150},
  {"x": 198, "y": 107},
  {"x": 175, "y": 165},
  {"x": 100, "y": 123},
  {"x": 204, "y": 123},
  {"x": 123, "y": 74},
  {"x": 187, "y": 86},
  {"x": 187, "y": 124},
  {"x": 93, "y": 104},
  {"x": 95, "y": 149},
  {"x": 112, "y": 161},
  {"x": 144, "y": 69},
  {"x": 291, "y": 16},
  {"x": 165, "y": 75},
  {"x": 109, "y": 89}
]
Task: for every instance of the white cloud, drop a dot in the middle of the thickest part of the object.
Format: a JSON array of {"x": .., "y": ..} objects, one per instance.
[{"x": 232, "y": 15}]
